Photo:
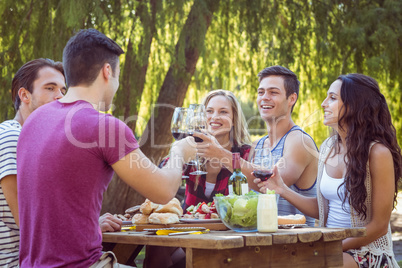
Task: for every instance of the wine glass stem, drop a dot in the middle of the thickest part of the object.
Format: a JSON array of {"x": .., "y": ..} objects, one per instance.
[{"x": 197, "y": 159}]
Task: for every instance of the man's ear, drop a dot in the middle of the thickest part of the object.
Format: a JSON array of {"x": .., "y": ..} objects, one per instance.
[
  {"x": 25, "y": 95},
  {"x": 292, "y": 99},
  {"x": 107, "y": 71}
]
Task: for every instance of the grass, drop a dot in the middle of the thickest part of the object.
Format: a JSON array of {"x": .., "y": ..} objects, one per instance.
[{"x": 140, "y": 258}]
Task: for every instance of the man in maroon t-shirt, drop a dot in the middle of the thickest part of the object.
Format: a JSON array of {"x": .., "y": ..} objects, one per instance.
[{"x": 66, "y": 156}]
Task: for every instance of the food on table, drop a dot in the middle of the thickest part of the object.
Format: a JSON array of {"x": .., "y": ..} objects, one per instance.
[
  {"x": 131, "y": 211},
  {"x": 238, "y": 212},
  {"x": 121, "y": 217},
  {"x": 163, "y": 218},
  {"x": 242, "y": 211},
  {"x": 148, "y": 207},
  {"x": 140, "y": 218},
  {"x": 173, "y": 207},
  {"x": 292, "y": 219},
  {"x": 202, "y": 211},
  {"x": 158, "y": 214}
]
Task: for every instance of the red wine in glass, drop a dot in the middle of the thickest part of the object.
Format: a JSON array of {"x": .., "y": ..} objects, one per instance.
[
  {"x": 179, "y": 135},
  {"x": 197, "y": 139},
  {"x": 263, "y": 175},
  {"x": 198, "y": 128}
]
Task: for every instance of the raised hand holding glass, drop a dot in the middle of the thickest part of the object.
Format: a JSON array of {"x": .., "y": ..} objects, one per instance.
[{"x": 262, "y": 161}]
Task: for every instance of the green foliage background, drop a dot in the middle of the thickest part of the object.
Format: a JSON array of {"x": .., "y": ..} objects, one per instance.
[{"x": 318, "y": 40}]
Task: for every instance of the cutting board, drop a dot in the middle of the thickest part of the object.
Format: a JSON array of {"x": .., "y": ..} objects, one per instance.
[{"x": 219, "y": 226}]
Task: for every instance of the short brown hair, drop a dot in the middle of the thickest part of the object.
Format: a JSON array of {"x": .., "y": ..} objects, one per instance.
[
  {"x": 86, "y": 53},
  {"x": 27, "y": 74},
  {"x": 290, "y": 80}
]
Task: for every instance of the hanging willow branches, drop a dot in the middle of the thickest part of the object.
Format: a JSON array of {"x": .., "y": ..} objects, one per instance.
[{"x": 178, "y": 50}]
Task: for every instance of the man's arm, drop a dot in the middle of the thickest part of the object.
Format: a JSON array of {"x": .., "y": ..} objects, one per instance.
[
  {"x": 158, "y": 185},
  {"x": 9, "y": 186},
  {"x": 299, "y": 163}
]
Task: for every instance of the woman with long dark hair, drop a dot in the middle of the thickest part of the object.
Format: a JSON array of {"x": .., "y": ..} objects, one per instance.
[{"x": 358, "y": 171}]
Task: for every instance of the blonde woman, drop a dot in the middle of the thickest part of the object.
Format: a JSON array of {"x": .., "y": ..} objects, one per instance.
[{"x": 226, "y": 126}]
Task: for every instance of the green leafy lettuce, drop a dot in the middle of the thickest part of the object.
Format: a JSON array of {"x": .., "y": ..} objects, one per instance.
[{"x": 241, "y": 211}]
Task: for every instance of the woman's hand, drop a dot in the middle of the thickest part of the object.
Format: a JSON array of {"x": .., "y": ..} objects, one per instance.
[
  {"x": 275, "y": 182},
  {"x": 211, "y": 150}
]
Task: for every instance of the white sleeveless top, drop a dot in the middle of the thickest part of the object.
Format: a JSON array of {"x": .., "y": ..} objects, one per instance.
[
  {"x": 378, "y": 249},
  {"x": 338, "y": 213}
]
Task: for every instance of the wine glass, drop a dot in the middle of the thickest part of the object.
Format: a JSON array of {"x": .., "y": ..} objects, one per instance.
[
  {"x": 262, "y": 161},
  {"x": 179, "y": 128},
  {"x": 179, "y": 123},
  {"x": 197, "y": 108},
  {"x": 197, "y": 121}
]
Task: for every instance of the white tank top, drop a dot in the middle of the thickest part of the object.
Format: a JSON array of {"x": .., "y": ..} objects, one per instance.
[
  {"x": 209, "y": 187},
  {"x": 337, "y": 216}
]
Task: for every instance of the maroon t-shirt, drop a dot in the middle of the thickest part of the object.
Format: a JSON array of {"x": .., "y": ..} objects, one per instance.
[{"x": 64, "y": 157}]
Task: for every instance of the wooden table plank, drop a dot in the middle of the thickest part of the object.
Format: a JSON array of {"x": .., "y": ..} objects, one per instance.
[
  {"x": 257, "y": 239},
  {"x": 356, "y": 232},
  {"x": 306, "y": 235},
  {"x": 304, "y": 247},
  {"x": 333, "y": 234},
  {"x": 301, "y": 255},
  {"x": 283, "y": 237},
  {"x": 206, "y": 241}
]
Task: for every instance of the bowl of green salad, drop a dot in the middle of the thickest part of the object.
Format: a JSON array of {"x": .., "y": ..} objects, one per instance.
[{"x": 238, "y": 212}]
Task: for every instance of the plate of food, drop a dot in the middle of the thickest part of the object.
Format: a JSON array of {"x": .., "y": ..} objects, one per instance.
[{"x": 201, "y": 213}]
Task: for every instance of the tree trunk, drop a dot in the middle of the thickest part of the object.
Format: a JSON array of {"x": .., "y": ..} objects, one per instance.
[
  {"x": 156, "y": 139},
  {"x": 119, "y": 195}
]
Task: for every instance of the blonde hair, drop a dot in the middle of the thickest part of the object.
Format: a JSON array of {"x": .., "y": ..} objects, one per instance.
[{"x": 239, "y": 132}]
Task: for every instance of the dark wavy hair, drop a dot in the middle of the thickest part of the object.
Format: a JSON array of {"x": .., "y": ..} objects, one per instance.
[{"x": 367, "y": 118}]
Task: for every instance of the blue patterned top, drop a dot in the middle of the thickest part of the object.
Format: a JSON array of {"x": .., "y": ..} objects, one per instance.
[{"x": 284, "y": 207}]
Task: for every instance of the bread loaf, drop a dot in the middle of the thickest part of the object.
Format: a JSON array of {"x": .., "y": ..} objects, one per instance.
[
  {"x": 163, "y": 218},
  {"x": 172, "y": 207},
  {"x": 140, "y": 219},
  {"x": 292, "y": 219},
  {"x": 148, "y": 207}
]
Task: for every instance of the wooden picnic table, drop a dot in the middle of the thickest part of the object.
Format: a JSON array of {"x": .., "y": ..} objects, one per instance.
[{"x": 298, "y": 247}]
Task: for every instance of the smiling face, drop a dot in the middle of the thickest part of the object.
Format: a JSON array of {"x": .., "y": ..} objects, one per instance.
[
  {"x": 219, "y": 116},
  {"x": 49, "y": 86},
  {"x": 272, "y": 102},
  {"x": 332, "y": 105}
]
